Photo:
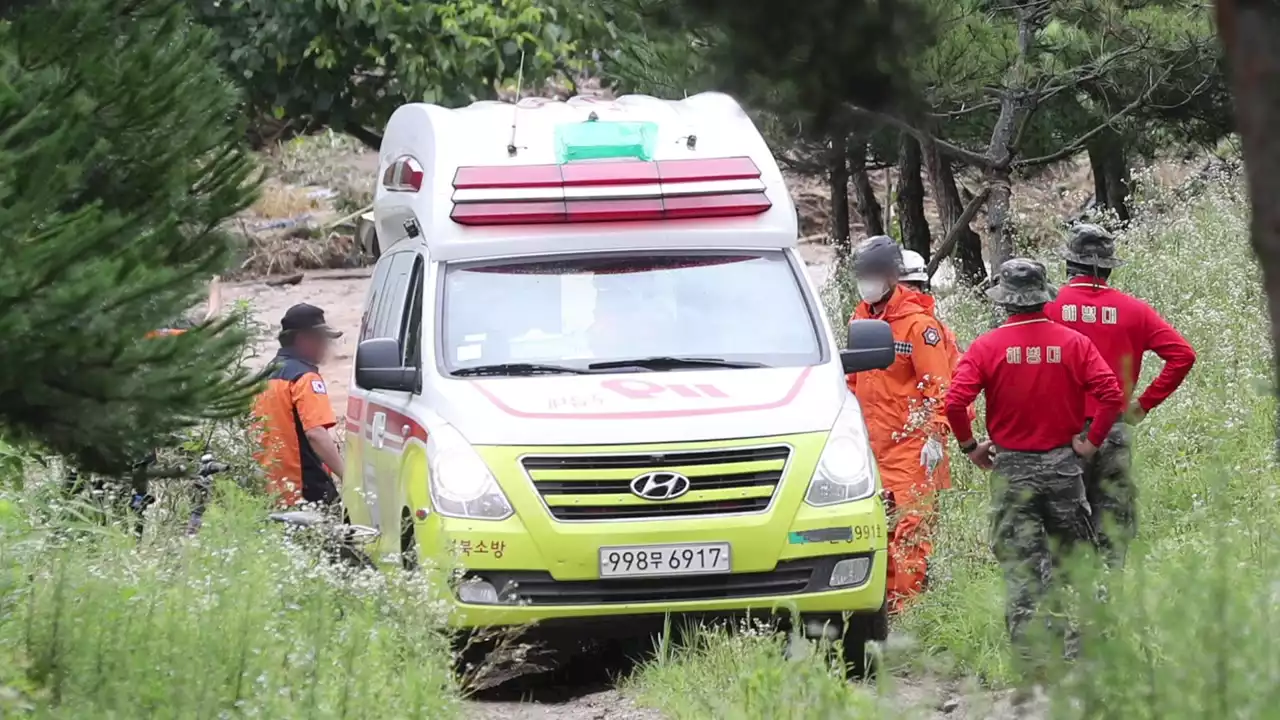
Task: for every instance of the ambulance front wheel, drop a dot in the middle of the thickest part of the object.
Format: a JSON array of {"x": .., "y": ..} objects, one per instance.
[
  {"x": 408, "y": 542},
  {"x": 860, "y": 631}
]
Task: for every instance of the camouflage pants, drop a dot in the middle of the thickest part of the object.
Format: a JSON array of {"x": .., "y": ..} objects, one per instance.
[
  {"x": 1113, "y": 495},
  {"x": 1039, "y": 517}
]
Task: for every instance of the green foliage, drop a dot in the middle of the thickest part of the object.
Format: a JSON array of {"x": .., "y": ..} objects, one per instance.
[
  {"x": 814, "y": 56},
  {"x": 117, "y": 164},
  {"x": 348, "y": 64},
  {"x": 718, "y": 674},
  {"x": 1166, "y": 51},
  {"x": 241, "y": 623},
  {"x": 648, "y": 50}
]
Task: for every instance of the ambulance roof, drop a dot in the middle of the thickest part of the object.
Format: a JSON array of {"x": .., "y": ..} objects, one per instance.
[{"x": 435, "y": 163}]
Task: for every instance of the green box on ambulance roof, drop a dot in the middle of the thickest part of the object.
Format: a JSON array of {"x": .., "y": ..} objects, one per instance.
[{"x": 597, "y": 140}]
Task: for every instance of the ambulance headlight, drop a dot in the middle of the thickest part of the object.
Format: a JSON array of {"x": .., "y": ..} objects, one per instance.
[
  {"x": 461, "y": 484},
  {"x": 846, "y": 471}
]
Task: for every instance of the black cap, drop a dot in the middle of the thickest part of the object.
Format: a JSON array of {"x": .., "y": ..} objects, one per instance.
[
  {"x": 307, "y": 318},
  {"x": 876, "y": 255}
]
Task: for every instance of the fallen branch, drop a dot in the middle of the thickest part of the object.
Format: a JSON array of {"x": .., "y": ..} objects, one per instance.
[
  {"x": 348, "y": 218},
  {"x": 293, "y": 279},
  {"x": 953, "y": 235}
]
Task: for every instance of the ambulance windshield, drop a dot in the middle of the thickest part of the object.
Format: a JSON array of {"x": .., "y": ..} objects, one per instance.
[{"x": 589, "y": 313}]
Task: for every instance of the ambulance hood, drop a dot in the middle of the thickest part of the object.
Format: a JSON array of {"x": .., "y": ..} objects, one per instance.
[{"x": 636, "y": 408}]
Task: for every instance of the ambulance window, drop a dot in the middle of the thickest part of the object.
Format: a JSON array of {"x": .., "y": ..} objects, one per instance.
[
  {"x": 390, "y": 310},
  {"x": 411, "y": 333},
  {"x": 742, "y": 307},
  {"x": 367, "y": 320}
]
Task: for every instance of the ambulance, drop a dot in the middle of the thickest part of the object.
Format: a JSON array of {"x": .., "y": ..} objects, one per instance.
[{"x": 593, "y": 368}]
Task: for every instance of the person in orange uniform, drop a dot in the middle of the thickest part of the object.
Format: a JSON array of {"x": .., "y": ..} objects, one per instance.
[
  {"x": 212, "y": 307},
  {"x": 139, "y": 485},
  {"x": 915, "y": 275},
  {"x": 902, "y": 406},
  {"x": 297, "y": 452}
]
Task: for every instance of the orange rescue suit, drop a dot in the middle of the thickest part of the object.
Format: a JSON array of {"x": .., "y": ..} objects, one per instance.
[
  {"x": 953, "y": 354},
  {"x": 903, "y": 407}
]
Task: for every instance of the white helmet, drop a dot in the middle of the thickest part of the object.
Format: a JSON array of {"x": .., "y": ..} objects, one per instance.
[{"x": 913, "y": 267}]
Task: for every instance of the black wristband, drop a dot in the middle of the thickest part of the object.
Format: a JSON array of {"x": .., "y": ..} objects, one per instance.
[{"x": 969, "y": 447}]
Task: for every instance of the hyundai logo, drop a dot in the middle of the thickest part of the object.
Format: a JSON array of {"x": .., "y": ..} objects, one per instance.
[{"x": 660, "y": 486}]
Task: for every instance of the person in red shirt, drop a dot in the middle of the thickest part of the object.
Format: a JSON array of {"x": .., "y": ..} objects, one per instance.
[
  {"x": 1036, "y": 375},
  {"x": 902, "y": 406},
  {"x": 1123, "y": 328}
]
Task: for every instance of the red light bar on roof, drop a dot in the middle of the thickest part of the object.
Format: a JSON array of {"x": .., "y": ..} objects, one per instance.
[{"x": 608, "y": 192}]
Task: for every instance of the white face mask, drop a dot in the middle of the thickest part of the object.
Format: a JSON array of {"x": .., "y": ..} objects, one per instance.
[{"x": 872, "y": 290}]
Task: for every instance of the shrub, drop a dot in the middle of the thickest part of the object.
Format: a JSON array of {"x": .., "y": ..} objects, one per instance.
[{"x": 118, "y": 161}]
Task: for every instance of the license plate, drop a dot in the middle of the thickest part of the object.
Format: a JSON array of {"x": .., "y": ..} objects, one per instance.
[{"x": 649, "y": 560}]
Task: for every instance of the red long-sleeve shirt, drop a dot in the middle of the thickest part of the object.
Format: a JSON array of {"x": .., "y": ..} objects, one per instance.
[
  {"x": 1123, "y": 327},
  {"x": 1036, "y": 374}
]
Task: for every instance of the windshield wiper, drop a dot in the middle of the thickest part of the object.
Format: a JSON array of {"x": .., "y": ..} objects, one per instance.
[
  {"x": 520, "y": 369},
  {"x": 667, "y": 362}
]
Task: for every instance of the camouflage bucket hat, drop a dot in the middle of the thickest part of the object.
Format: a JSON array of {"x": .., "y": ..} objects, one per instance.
[
  {"x": 1022, "y": 283},
  {"x": 1092, "y": 245}
]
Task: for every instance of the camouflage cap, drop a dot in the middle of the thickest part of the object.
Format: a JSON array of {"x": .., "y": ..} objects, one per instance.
[
  {"x": 1091, "y": 245},
  {"x": 1022, "y": 283}
]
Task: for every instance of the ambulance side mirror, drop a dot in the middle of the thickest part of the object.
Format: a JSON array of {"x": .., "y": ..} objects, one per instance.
[
  {"x": 379, "y": 366},
  {"x": 869, "y": 347}
]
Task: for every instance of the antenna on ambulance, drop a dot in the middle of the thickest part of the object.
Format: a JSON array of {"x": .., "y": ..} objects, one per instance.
[{"x": 515, "y": 110}]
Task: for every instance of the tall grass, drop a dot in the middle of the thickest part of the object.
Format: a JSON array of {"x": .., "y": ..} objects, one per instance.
[
  {"x": 714, "y": 673},
  {"x": 233, "y": 623},
  {"x": 1188, "y": 629}
]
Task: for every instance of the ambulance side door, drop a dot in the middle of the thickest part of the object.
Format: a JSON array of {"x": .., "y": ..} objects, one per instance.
[
  {"x": 402, "y": 428},
  {"x": 384, "y": 408},
  {"x": 358, "y": 433}
]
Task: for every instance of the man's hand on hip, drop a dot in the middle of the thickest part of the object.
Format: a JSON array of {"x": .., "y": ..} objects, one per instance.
[
  {"x": 980, "y": 454},
  {"x": 1135, "y": 414},
  {"x": 1083, "y": 447}
]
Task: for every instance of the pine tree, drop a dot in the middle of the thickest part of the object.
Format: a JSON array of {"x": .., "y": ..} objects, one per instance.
[{"x": 120, "y": 158}]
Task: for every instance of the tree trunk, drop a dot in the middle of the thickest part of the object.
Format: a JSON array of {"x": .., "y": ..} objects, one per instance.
[
  {"x": 1109, "y": 162},
  {"x": 1098, "y": 167},
  {"x": 838, "y": 174},
  {"x": 1015, "y": 106},
  {"x": 999, "y": 152},
  {"x": 946, "y": 196},
  {"x": 1249, "y": 29},
  {"x": 998, "y": 228},
  {"x": 1118, "y": 185},
  {"x": 910, "y": 201},
  {"x": 864, "y": 195}
]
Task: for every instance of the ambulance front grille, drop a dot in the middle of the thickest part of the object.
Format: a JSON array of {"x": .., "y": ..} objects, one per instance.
[{"x": 597, "y": 488}]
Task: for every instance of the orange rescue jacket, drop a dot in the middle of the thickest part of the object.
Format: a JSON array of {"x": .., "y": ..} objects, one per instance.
[
  {"x": 903, "y": 404},
  {"x": 954, "y": 350}
]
